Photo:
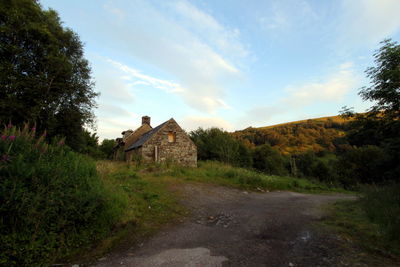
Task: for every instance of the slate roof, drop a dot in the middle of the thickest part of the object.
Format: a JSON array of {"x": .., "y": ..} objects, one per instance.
[{"x": 145, "y": 137}]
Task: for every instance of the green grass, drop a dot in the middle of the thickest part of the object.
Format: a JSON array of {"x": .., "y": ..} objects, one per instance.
[
  {"x": 222, "y": 174},
  {"x": 149, "y": 205},
  {"x": 364, "y": 241},
  {"x": 382, "y": 206}
]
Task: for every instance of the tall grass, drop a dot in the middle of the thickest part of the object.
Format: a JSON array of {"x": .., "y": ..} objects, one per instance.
[
  {"x": 382, "y": 206},
  {"x": 148, "y": 205},
  {"x": 219, "y": 173},
  {"x": 52, "y": 201}
]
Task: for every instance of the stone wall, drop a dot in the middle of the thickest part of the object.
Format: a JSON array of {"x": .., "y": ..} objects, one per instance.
[
  {"x": 183, "y": 151},
  {"x": 133, "y": 154}
]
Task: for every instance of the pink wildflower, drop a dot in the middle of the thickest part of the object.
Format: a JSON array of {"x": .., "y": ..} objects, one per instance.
[
  {"x": 3, "y": 137},
  {"x": 33, "y": 129},
  {"x": 5, "y": 158},
  {"x": 11, "y": 137}
]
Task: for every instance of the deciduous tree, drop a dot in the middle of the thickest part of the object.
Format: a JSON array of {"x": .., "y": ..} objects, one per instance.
[{"x": 44, "y": 76}]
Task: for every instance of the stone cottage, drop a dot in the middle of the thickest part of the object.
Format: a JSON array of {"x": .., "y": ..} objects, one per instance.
[{"x": 166, "y": 142}]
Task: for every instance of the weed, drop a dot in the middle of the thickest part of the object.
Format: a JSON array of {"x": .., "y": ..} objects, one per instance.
[
  {"x": 52, "y": 201},
  {"x": 364, "y": 241},
  {"x": 382, "y": 206}
]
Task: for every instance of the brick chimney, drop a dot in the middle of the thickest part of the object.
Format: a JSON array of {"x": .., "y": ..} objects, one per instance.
[{"x": 146, "y": 120}]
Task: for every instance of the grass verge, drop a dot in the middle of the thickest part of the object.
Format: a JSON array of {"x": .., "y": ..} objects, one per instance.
[
  {"x": 214, "y": 172},
  {"x": 363, "y": 241},
  {"x": 149, "y": 205}
]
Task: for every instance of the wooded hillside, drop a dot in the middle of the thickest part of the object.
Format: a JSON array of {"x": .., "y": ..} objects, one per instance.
[{"x": 316, "y": 135}]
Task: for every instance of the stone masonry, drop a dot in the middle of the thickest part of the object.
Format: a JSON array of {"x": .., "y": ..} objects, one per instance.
[{"x": 167, "y": 142}]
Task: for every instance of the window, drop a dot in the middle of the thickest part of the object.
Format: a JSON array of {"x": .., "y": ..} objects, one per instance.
[{"x": 171, "y": 137}]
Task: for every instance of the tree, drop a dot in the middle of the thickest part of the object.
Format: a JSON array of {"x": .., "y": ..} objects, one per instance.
[
  {"x": 268, "y": 160},
  {"x": 44, "y": 77},
  {"x": 366, "y": 164},
  {"x": 107, "y": 147},
  {"x": 215, "y": 144},
  {"x": 385, "y": 80},
  {"x": 380, "y": 126}
]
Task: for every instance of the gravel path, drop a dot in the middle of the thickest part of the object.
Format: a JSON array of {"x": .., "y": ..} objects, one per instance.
[{"x": 230, "y": 227}]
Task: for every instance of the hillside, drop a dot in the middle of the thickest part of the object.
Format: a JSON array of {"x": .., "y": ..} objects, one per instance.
[{"x": 317, "y": 135}]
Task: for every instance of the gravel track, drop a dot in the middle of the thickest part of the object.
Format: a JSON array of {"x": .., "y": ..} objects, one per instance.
[{"x": 230, "y": 227}]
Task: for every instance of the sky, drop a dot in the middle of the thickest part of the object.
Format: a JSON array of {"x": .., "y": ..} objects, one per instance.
[{"x": 227, "y": 64}]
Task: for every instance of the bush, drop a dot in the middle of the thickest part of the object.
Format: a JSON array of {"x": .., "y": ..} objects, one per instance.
[
  {"x": 216, "y": 144},
  {"x": 363, "y": 165},
  {"x": 382, "y": 205},
  {"x": 51, "y": 200},
  {"x": 305, "y": 162},
  {"x": 268, "y": 160}
]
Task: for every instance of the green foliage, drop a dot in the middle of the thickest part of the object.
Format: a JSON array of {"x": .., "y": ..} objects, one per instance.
[
  {"x": 52, "y": 201},
  {"x": 364, "y": 241},
  {"x": 322, "y": 168},
  {"x": 268, "y": 160},
  {"x": 107, "y": 148},
  {"x": 90, "y": 145},
  {"x": 362, "y": 165},
  {"x": 216, "y": 144},
  {"x": 382, "y": 205},
  {"x": 379, "y": 127},
  {"x": 148, "y": 201},
  {"x": 44, "y": 76},
  {"x": 148, "y": 205},
  {"x": 385, "y": 81},
  {"x": 224, "y": 174},
  {"x": 245, "y": 157}
]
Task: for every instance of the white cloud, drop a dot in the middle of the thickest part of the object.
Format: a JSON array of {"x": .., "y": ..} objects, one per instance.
[
  {"x": 277, "y": 21},
  {"x": 190, "y": 123},
  {"x": 196, "y": 15},
  {"x": 109, "y": 110},
  {"x": 113, "y": 86},
  {"x": 332, "y": 89},
  {"x": 119, "y": 13},
  {"x": 112, "y": 119},
  {"x": 287, "y": 14},
  {"x": 200, "y": 67},
  {"x": 370, "y": 20},
  {"x": 143, "y": 79},
  {"x": 226, "y": 40},
  {"x": 140, "y": 83}
]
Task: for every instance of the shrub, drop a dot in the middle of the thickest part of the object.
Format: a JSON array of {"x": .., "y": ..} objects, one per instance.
[
  {"x": 216, "y": 144},
  {"x": 382, "y": 205},
  {"x": 51, "y": 200},
  {"x": 304, "y": 163},
  {"x": 268, "y": 160},
  {"x": 362, "y": 165}
]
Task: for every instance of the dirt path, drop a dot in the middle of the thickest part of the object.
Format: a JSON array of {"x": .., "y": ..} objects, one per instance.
[{"x": 230, "y": 227}]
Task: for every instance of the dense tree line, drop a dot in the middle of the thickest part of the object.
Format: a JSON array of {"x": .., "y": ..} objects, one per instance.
[{"x": 44, "y": 77}]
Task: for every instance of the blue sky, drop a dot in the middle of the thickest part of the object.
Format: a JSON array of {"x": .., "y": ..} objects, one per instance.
[{"x": 229, "y": 64}]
